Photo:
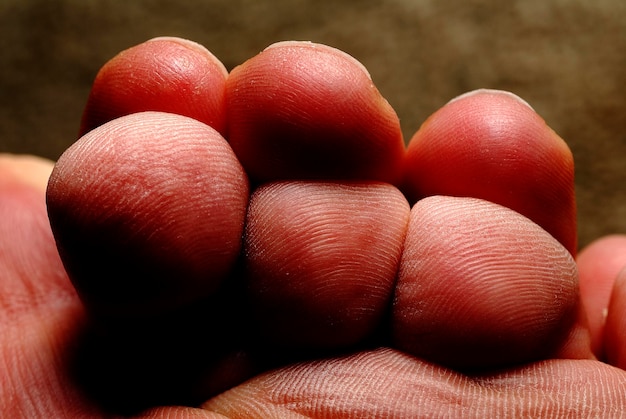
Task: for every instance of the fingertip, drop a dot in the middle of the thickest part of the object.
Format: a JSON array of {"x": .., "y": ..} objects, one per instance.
[
  {"x": 321, "y": 47},
  {"x": 491, "y": 145},
  {"x": 194, "y": 46},
  {"x": 480, "y": 286},
  {"x": 321, "y": 260},
  {"x": 148, "y": 212},
  {"x": 303, "y": 110},
  {"x": 164, "y": 74}
]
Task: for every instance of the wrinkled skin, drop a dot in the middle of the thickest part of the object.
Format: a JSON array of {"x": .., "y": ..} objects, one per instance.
[{"x": 262, "y": 244}]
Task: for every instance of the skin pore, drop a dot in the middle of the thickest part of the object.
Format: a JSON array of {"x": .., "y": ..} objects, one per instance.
[{"x": 260, "y": 243}]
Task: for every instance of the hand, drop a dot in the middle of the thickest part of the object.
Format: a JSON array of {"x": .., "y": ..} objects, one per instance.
[{"x": 310, "y": 266}]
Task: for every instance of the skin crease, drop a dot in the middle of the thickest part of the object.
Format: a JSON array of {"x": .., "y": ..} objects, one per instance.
[{"x": 43, "y": 318}]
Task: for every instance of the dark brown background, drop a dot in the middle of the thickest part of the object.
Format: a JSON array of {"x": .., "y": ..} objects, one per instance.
[{"x": 566, "y": 57}]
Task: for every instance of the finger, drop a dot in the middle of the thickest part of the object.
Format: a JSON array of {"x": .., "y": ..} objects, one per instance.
[
  {"x": 480, "y": 286},
  {"x": 387, "y": 383},
  {"x": 148, "y": 213},
  {"x": 163, "y": 74},
  {"x": 492, "y": 145},
  {"x": 614, "y": 337},
  {"x": 321, "y": 259},
  {"x": 303, "y": 110},
  {"x": 599, "y": 264}
]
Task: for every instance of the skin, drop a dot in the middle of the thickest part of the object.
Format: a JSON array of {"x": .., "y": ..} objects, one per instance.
[{"x": 329, "y": 292}]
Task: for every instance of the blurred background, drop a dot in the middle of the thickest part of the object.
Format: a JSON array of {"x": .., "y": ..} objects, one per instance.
[{"x": 567, "y": 58}]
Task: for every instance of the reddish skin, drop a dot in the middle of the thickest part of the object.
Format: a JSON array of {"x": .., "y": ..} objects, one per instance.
[
  {"x": 599, "y": 265},
  {"x": 38, "y": 299},
  {"x": 41, "y": 315},
  {"x": 327, "y": 254},
  {"x": 495, "y": 147},
  {"x": 385, "y": 383},
  {"x": 490, "y": 302},
  {"x": 302, "y": 110},
  {"x": 147, "y": 177},
  {"x": 614, "y": 339},
  {"x": 39, "y": 309},
  {"x": 163, "y": 74}
]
